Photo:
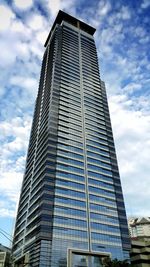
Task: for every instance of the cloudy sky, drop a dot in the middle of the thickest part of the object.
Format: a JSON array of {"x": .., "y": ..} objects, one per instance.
[{"x": 122, "y": 40}]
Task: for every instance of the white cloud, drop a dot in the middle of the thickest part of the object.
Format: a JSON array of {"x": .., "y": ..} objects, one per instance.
[
  {"x": 139, "y": 31},
  {"x": 18, "y": 36},
  {"x": 67, "y": 5},
  {"x": 104, "y": 7},
  {"x": 20, "y": 163},
  {"x": 4, "y": 212},
  {"x": 54, "y": 6},
  {"x": 132, "y": 87},
  {"x": 16, "y": 145},
  {"x": 17, "y": 127},
  {"x": 23, "y": 4},
  {"x": 107, "y": 35},
  {"x": 144, "y": 40},
  {"x": 131, "y": 130},
  {"x": 37, "y": 49},
  {"x": 124, "y": 13},
  {"x": 10, "y": 185},
  {"x": 6, "y": 17},
  {"x": 36, "y": 22},
  {"x": 8, "y": 56},
  {"x": 17, "y": 26},
  {"x": 42, "y": 36},
  {"x": 25, "y": 82},
  {"x": 145, "y": 4},
  {"x": 23, "y": 50},
  {"x": 15, "y": 134}
]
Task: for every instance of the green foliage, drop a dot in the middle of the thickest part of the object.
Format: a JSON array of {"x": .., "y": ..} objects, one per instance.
[{"x": 116, "y": 263}]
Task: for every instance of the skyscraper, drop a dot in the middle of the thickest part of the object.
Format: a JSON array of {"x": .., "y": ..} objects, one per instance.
[{"x": 71, "y": 210}]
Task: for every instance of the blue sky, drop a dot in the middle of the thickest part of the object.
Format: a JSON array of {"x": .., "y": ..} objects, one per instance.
[{"x": 122, "y": 40}]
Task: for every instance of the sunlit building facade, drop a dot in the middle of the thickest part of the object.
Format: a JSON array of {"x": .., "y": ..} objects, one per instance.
[
  {"x": 71, "y": 211},
  {"x": 139, "y": 228}
]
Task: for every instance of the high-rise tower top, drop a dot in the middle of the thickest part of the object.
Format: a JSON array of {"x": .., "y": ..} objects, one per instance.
[{"x": 62, "y": 16}]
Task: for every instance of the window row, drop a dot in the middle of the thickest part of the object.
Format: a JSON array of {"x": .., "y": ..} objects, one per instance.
[
  {"x": 98, "y": 169},
  {"x": 105, "y": 227},
  {"x": 99, "y": 156},
  {"x": 98, "y": 162},
  {"x": 68, "y": 200},
  {"x": 100, "y": 183},
  {"x": 69, "y": 148},
  {"x": 106, "y": 237},
  {"x": 69, "y": 192},
  {"x": 70, "y": 211},
  {"x": 102, "y": 217},
  {"x": 70, "y": 232},
  {"x": 100, "y": 191},
  {"x": 69, "y": 154},
  {"x": 103, "y": 200},
  {"x": 69, "y": 168},
  {"x": 100, "y": 176},
  {"x": 70, "y": 176},
  {"x": 103, "y": 209},
  {"x": 99, "y": 150},
  {"x": 69, "y": 136},
  {"x": 69, "y": 221},
  {"x": 60, "y": 182}
]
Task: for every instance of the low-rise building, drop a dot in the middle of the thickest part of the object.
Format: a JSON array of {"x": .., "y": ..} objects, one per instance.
[
  {"x": 139, "y": 229},
  {"x": 5, "y": 256},
  {"x": 140, "y": 253}
]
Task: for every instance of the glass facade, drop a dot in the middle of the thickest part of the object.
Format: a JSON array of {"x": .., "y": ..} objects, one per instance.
[{"x": 71, "y": 195}]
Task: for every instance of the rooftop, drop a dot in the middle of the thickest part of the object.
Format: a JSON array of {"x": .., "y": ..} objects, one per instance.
[{"x": 62, "y": 16}]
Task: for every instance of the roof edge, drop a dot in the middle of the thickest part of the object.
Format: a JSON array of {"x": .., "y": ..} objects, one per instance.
[{"x": 72, "y": 20}]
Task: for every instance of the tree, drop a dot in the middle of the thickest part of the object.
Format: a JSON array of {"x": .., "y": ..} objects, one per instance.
[{"x": 116, "y": 263}]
